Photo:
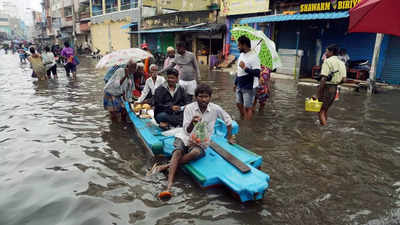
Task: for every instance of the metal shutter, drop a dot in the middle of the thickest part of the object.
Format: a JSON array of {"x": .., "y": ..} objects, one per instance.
[{"x": 391, "y": 68}]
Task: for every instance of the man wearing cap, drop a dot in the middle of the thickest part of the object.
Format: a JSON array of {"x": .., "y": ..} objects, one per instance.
[
  {"x": 170, "y": 58},
  {"x": 188, "y": 68},
  {"x": 147, "y": 61}
]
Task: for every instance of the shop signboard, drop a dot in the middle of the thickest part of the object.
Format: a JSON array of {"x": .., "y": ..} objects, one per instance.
[
  {"x": 236, "y": 7},
  {"x": 316, "y": 6}
]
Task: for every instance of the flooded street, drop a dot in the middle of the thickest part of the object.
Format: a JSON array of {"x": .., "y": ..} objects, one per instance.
[{"x": 63, "y": 161}]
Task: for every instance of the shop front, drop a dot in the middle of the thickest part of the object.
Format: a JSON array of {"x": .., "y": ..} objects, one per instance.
[
  {"x": 205, "y": 41},
  {"x": 302, "y": 36},
  {"x": 389, "y": 62},
  {"x": 197, "y": 29}
]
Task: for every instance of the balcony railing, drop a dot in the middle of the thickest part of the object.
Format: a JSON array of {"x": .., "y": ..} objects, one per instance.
[
  {"x": 84, "y": 15},
  {"x": 129, "y": 6},
  {"x": 111, "y": 9},
  {"x": 97, "y": 9},
  {"x": 66, "y": 23},
  {"x": 97, "y": 12}
]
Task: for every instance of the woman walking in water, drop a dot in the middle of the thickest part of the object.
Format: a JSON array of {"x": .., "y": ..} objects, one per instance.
[
  {"x": 69, "y": 56},
  {"x": 37, "y": 65}
]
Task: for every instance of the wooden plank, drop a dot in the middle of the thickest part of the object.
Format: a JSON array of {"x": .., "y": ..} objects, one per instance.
[{"x": 230, "y": 158}]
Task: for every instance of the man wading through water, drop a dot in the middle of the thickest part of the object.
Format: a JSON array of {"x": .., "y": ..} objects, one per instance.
[
  {"x": 333, "y": 72},
  {"x": 246, "y": 81}
]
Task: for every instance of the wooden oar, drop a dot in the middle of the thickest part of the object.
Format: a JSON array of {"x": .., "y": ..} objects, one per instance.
[{"x": 230, "y": 158}]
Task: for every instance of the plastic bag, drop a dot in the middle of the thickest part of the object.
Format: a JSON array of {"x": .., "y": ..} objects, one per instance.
[{"x": 199, "y": 135}]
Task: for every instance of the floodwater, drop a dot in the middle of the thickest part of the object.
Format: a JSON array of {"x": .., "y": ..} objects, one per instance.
[{"x": 63, "y": 162}]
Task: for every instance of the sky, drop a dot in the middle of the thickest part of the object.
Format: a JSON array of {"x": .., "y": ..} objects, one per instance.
[
  {"x": 35, "y": 4},
  {"x": 32, "y": 5}
]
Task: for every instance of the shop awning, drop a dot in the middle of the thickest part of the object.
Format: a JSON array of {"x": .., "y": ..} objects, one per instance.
[
  {"x": 281, "y": 18},
  {"x": 209, "y": 28},
  {"x": 126, "y": 26}
]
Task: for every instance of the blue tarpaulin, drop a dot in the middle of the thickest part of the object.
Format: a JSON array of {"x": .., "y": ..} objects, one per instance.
[
  {"x": 180, "y": 29},
  {"x": 281, "y": 18},
  {"x": 126, "y": 26}
]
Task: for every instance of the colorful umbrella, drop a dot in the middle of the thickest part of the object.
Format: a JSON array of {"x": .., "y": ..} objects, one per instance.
[
  {"x": 122, "y": 57},
  {"x": 261, "y": 44},
  {"x": 376, "y": 16}
]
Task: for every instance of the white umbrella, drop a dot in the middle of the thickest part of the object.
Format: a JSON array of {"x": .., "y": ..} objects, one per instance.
[{"x": 122, "y": 57}]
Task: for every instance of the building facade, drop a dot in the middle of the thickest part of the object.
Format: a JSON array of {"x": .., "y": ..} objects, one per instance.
[
  {"x": 5, "y": 29},
  {"x": 194, "y": 22},
  {"x": 66, "y": 21},
  {"x": 234, "y": 11},
  {"x": 107, "y": 21}
]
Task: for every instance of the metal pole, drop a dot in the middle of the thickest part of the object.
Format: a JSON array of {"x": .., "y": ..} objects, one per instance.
[
  {"x": 297, "y": 51},
  {"x": 209, "y": 52},
  {"x": 140, "y": 5}
]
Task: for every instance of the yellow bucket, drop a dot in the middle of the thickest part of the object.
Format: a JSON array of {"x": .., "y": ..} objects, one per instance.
[{"x": 313, "y": 105}]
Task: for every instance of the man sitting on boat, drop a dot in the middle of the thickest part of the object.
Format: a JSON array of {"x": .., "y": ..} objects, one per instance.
[
  {"x": 140, "y": 78},
  {"x": 187, "y": 146},
  {"x": 118, "y": 89},
  {"x": 169, "y": 101},
  {"x": 151, "y": 85}
]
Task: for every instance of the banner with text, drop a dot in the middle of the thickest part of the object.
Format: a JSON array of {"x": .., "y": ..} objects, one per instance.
[
  {"x": 236, "y": 7},
  {"x": 327, "y": 6}
]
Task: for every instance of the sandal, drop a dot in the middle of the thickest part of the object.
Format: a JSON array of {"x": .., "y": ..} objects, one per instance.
[{"x": 165, "y": 195}]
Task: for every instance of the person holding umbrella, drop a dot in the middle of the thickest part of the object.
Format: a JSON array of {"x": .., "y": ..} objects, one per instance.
[
  {"x": 119, "y": 89},
  {"x": 256, "y": 50},
  {"x": 246, "y": 81}
]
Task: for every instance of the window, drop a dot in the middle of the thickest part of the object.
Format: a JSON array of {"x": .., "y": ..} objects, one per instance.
[
  {"x": 129, "y": 4},
  {"x": 67, "y": 11},
  {"x": 97, "y": 7},
  {"x": 111, "y": 6}
]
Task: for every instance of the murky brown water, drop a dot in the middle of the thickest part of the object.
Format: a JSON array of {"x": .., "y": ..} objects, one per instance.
[{"x": 63, "y": 162}]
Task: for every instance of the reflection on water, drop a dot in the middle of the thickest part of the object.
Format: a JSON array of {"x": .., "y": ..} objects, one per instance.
[{"x": 63, "y": 162}]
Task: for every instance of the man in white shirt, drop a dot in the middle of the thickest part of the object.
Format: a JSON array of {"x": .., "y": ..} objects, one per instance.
[
  {"x": 49, "y": 62},
  {"x": 186, "y": 149},
  {"x": 246, "y": 81},
  {"x": 152, "y": 83}
]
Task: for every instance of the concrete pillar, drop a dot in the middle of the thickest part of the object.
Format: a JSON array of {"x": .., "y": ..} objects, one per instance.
[
  {"x": 90, "y": 8},
  {"x": 375, "y": 57},
  {"x": 374, "y": 64}
]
